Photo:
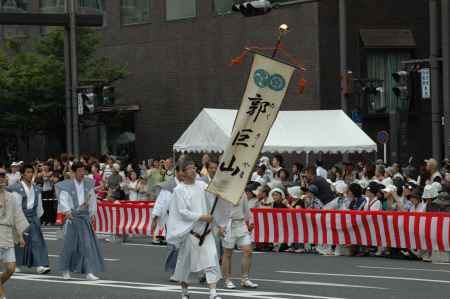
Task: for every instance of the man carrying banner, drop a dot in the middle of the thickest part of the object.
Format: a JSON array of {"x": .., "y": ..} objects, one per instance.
[
  {"x": 28, "y": 197},
  {"x": 237, "y": 233},
  {"x": 77, "y": 201},
  {"x": 188, "y": 216}
]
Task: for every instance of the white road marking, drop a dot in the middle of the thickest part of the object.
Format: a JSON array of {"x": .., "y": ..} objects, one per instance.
[
  {"x": 164, "y": 287},
  {"x": 405, "y": 269},
  {"x": 109, "y": 260},
  {"x": 316, "y": 283},
  {"x": 368, "y": 276},
  {"x": 163, "y": 246}
]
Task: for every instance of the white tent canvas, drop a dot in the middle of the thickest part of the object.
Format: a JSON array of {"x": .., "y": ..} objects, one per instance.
[{"x": 327, "y": 131}]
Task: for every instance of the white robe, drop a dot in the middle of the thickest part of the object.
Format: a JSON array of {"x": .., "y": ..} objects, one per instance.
[{"x": 188, "y": 204}]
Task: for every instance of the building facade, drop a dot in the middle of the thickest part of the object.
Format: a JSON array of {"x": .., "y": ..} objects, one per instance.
[{"x": 178, "y": 55}]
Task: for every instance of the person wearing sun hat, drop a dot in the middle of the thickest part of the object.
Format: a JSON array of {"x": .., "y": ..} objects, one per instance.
[
  {"x": 341, "y": 202},
  {"x": 430, "y": 193},
  {"x": 416, "y": 202}
]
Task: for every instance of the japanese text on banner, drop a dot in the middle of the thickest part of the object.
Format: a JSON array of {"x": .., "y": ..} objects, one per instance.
[{"x": 266, "y": 88}]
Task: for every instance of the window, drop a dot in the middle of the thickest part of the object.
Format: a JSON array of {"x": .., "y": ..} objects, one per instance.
[
  {"x": 18, "y": 6},
  {"x": 52, "y": 6},
  {"x": 381, "y": 64},
  {"x": 180, "y": 9},
  {"x": 134, "y": 11},
  {"x": 223, "y": 7},
  {"x": 91, "y": 6}
]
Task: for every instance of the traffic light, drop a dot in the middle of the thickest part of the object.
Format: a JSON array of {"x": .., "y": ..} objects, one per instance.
[
  {"x": 401, "y": 84},
  {"x": 92, "y": 96},
  {"x": 253, "y": 8}
]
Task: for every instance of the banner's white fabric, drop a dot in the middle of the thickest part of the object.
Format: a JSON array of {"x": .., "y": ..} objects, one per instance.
[{"x": 266, "y": 88}]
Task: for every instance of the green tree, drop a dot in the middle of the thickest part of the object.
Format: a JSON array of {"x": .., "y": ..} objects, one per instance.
[{"x": 32, "y": 80}]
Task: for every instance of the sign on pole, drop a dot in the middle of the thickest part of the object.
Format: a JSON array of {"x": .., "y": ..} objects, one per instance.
[
  {"x": 425, "y": 83},
  {"x": 262, "y": 99},
  {"x": 383, "y": 138}
]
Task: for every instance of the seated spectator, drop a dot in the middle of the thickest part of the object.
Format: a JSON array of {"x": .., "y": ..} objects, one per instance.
[
  {"x": 324, "y": 192},
  {"x": 341, "y": 202},
  {"x": 373, "y": 203}
]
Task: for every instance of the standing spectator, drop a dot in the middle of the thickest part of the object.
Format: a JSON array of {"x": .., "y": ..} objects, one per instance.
[
  {"x": 212, "y": 169},
  {"x": 98, "y": 181},
  {"x": 154, "y": 177},
  {"x": 204, "y": 170},
  {"x": 49, "y": 201},
  {"x": 108, "y": 168},
  {"x": 142, "y": 189},
  {"x": 320, "y": 171},
  {"x": 297, "y": 169},
  {"x": 260, "y": 175},
  {"x": 113, "y": 183},
  {"x": 264, "y": 199},
  {"x": 324, "y": 193},
  {"x": 170, "y": 170},
  {"x": 132, "y": 186},
  {"x": 283, "y": 178},
  {"x": 277, "y": 164},
  {"x": 432, "y": 168},
  {"x": 14, "y": 175}
]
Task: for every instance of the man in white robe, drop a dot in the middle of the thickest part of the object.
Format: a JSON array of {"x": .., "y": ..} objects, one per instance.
[{"x": 188, "y": 217}]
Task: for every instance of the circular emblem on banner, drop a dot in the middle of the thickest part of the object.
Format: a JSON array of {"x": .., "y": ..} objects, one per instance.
[
  {"x": 261, "y": 78},
  {"x": 277, "y": 82}
]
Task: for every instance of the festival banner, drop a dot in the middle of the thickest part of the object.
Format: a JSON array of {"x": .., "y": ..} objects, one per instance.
[{"x": 266, "y": 88}]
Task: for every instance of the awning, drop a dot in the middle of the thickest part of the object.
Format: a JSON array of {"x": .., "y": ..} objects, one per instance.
[
  {"x": 387, "y": 38},
  {"x": 327, "y": 131}
]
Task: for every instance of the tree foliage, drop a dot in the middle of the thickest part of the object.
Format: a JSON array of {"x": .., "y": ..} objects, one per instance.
[{"x": 32, "y": 79}]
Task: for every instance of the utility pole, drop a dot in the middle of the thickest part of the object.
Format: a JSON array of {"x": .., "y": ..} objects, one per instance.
[
  {"x": 65, "y": 19},
  {"x": 68, "y": 106},
  {"x": 74, "y": 76},
  {"x": 436, "y": 102},
  {"x": 445, "y": 9},
  {"x": 343, "y": 49}
]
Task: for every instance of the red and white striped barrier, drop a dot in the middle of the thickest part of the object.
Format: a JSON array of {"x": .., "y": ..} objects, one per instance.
[
  {"x": 422, "y": 231},
  {"x": 125, "y": 218}
]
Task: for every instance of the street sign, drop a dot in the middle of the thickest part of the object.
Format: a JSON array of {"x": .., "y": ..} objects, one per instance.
[
  {"x": 382, "y": 137},
  {"x": 425, "y": 82},
  {"x": 80, "y": 104}
]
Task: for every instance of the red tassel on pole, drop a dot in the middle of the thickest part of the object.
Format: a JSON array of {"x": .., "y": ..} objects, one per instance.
[
  {"x": 301, "y": 85},
  {"x": 239, "y": 59}
]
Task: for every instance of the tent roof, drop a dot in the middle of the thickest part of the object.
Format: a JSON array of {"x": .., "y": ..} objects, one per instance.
[{"x": 327, "y": 131}]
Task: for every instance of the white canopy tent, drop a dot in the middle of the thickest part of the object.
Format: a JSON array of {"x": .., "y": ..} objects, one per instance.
[{"x": 326, "y": 131}]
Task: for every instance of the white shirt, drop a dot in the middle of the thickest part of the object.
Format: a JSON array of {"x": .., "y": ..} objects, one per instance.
[
  {"x": 80, "y": 191},
  {"x": 374, "y": 205},
  {"x": 65, "y": 203},
  {"x": 30, "y": 200},
  {"x": 30, "y": 195},
  {"x": 421, "y": 207},
  {"x": 13, "y": 178},
  {"x": 320, "y": 171}
]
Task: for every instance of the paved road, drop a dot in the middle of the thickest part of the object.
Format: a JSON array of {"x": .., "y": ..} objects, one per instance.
[{"x": 135, "y": 271}]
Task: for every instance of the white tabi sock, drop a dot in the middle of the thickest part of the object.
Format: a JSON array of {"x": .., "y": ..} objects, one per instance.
[
  {"x": 184, "y": 291},
  {"x": 212, "y": 293}
]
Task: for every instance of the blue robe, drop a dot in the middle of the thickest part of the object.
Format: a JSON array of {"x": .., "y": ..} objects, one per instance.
[
  {"x": 35, "y": 252},
  {"x": 81, "y": 251}
]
